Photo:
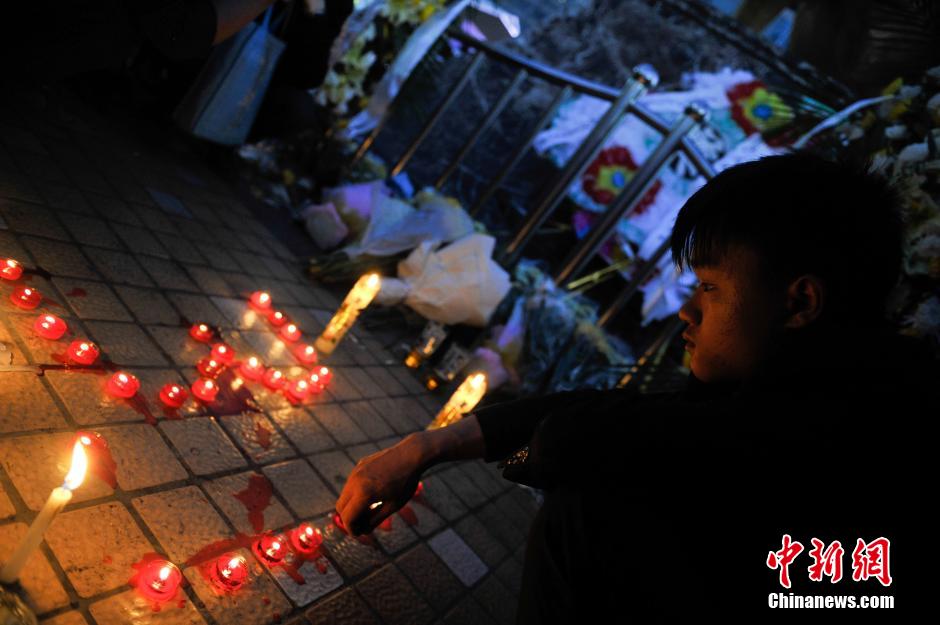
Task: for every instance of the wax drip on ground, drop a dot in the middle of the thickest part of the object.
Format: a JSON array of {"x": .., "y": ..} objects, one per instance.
[{"x": 256, "y": 497}]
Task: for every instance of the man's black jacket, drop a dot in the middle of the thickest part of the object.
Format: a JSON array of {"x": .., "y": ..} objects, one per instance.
[{"x": 675, "y": 501}]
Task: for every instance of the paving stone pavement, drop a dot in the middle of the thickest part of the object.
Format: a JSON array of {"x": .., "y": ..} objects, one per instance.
[{"x": 130, "y": 238}]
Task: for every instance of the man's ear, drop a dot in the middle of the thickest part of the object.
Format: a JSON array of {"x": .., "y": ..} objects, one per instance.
[{"x": 806, "y": 296}]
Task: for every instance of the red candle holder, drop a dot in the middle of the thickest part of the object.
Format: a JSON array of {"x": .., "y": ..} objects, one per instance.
[
  {"x": 229, "y": 572},
  {"x": 306, "y": 354},
  {"x": 274, "y": 379},
  {"x": 325, "y": 375},
  {"x": 290, "y": 332},
  {"x": 276, "y": 318},
  {"x": 223, "y": 353},
  {"x": 338, "y": 522},
  {"x": 209, "y": 367},
  {"x": 298, "y": 389},
  {"x": 306, "y": 538},
  {"x": 205, "y": 390},
  {"x": 10, "y": 269},
  {"x": 160, "y": 580},
  {"x": 251, "y": 369},
  {"x": 173, "y": 395},
  {"x": 201, "y": 332},
  {"x": 260, "y": 301},
  {"x": 272, "y": 549},
  {"x": 25, "y": 297},
  {"x": 419, "y": 489},
  {"x": 123, "y": 385},
  {"x": 83, "y": 352},
  {"x": 50, "y": 327}
]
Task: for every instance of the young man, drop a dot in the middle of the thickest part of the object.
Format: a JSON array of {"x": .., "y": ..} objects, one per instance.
[{"x": 801, "y": 419}]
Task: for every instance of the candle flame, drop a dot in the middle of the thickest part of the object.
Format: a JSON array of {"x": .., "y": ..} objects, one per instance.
[
  {"x": 252, "y": 362},
  {"x": 84, "y": 347},
  {"x": 164, "y": 573},
  {"x": 85, "y": 440},
  {"x": 373, "y": 506},
  {"x": 308, "y": 531},
  {"x": 76, "y": 474},
  {"x": 373, "y": 280},
  {"x": 263, "y": 297},
  {"x": 222, "y": 349},
  {"x": 50, "y": 319},
  {"x": 203, "y": 327},
  {"x": 174, "y": 389},
  {"x": 209, "y": 384},
  {"x": 234, "y": 563},
  {"x": 291, "y": 328},
  {"x": 324, "y": 370},
  {"x": 314, "y": 377},
  {"x": 309, "y": 349},
  {"x": 27, "y": 291},
  {"x": 11, "y": 262},
  {"x": 276, "y": 375},
  {"x": 478, "y": 380},
  {"x": 301, "y": 385},
  {"x": 237, "y": 384},
  {"x": 122, "y": 378}
]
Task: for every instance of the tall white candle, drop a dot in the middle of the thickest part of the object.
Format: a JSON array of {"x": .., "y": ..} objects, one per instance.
[{"x": 60, "y": 496}]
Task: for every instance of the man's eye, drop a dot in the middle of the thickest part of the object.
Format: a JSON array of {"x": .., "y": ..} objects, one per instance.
[{"x": 706, "y": 287}]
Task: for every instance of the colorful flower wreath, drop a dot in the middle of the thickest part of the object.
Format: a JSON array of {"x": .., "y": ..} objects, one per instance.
[
  {"x": 756, "y": 109},
  {"x": 609, "y": 173}
]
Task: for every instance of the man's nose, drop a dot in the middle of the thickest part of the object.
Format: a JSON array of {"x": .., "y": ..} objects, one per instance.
[{"x": 688, "y": 312}]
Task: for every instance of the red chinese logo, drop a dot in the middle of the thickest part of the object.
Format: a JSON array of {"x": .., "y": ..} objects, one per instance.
[
  {"x": 826, "y": 562},
  {"x": 782, "y": 559},
  {"x": 871, "y": 560}
]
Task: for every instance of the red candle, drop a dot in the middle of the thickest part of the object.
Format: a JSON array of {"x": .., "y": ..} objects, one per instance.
[
  {"x": 50, "y": 327},
  {"x": 419, "y": 489},
  {"x": 325, "y": 375},
  {"x": 123, "y": 385},
  {"x": 290, "y": 332},
  {"x": 298, "y": 389},
  {"x": 274, "y": 379},
  {"x": 260, "y": 301},
  {"x": 25, "y": 297},
  {"x": 229, "y": 572},
  {"x": 201, "y": 332},
  {"x": 251, "y": 369},
  {"x": 10, "y": 269},
  {"x": 209, "y": 367},
  {"x": 277, "y": 318},
  {"x": 306, "y": 538},
  {"x": 83, "y": 352},
  {"x": 271, "y": 548},
  {"x": 173, "y": 395},
  {"x": 160, "y": 580},
  {"x": 306, "y": 354},
  {"x": 223, "y": 353},
  {"x": 206, "y": 390},
  {"x": 316, "y": 386},
  {"x": 338, "y": 522}
]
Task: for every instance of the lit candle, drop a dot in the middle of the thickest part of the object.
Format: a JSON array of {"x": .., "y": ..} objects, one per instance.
[
  {"x": 209, "y": 367},
  {"x": 325, "y": 375},
  {"x": 464, "y": 399},
  {"x": 277, "y": 318},
  {"x": 306, "y": 354},
  {"x": 173, "y": 395},
  {"x": 361, "y": 295},
  {"x": 201, "y": 332},
  {"x": 160, "y": 580},
  {"x": 260, "y": 301},
  {"x": 50, "y": 327},
  {"x": 123, "y": 385},
  {"x": 290, "y": 332},
  {"x": 306, "y": 538},
  {"x": 316, "y": 386},
  {"x": 272, "y": 549},
  {"x": 230, "y": 572},
  {"x": 57, "y": 500},
  {"x": 206, "y": 390},
  {"x": 223, "y": 353},
  {"x": 251, "y": 369},
  {"x": 298, "y": 389},
  {"x": 25, "y": 297},
  {"x": 10, "y": 269},
  {"x": 83, "y": 352},
  {"x": 274, "y": 379}
]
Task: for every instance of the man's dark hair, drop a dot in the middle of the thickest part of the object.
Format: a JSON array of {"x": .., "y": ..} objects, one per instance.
[{"x": 801, "y": 214}]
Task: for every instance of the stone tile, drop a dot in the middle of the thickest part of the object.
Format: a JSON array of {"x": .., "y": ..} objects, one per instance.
[
  {"x": 358, "y": 452},
  {"x": 118, "y": 267},
  {"x": 237, "y": 313},
  {"x": 142, "y": 458},
  {"x": 90, "y": 231},
  {"x": 269, "y": 348},
  {"x": 139, "y": 240},
  {"x": 170, "y": 204},
  {"x": 36, "y": 464},
  {"x": 468, "y": 612},
  {"x": 38, "y": 349},
  {"x": 334, "y": 466},
  {"x": 251, "y": 264},
  {"x": 66, "y": 618},
  {"x": 148, "y": 306},
  {"x": 366, "y": 386},
  {"x": 96, "y": 546},
  {"x": 181, "y": 249},
  {"x": 353, "y": 555},
  {"x": 39, "y": 586},
  {"x": 394, "y": 598},
  {"x": 396, "y": 537},
  {"x": 211, "y": 282},
  {"x": 497, "y": 600},
  {"x": 167, "y": 274},
  {"x": 341, "y": 388},
  {"x": 459, "y": 558},
  {"x": 197, "y": 308},
  {"x": 131, "y": 608},
  {"x": 355, "y": 351},
  {"x": 315, "y": 585},
  {"x": 304, "y": 491},
  {"x": 125, "y": 343},
  {"x": 223, "y": 490},
  {"x": 178, "y": 344},
  {"x": 520, "y": 517},
  {"x": 385, "y": 357},
  {"x": 338, "y": 422},
  {"x": 258, "y": 602},
  {"x": 25, "y": 404},
  {"x": 59, "y": 259},
  {"x": 432, "y": 404},
  {"x": 89, "y": 403},
  {"x": 484, "y": 478},
  {"x": 17, "y": 187},
  {"x": 257, "y": 437},
  {"x": 345, "y": 607},
  {"x": 182, "y": 520},
  {"x": 473, "y": 532},
  {"x": 510, "y": 573},
  {"x": 427, "y": 521},
  {"x": 7, "y": 509},
  {"x": 386, "y": 381},
  {"x": 154, "y": 219},
  {"x": 113, "y": 209},
  {"x": 404, "y": 414},
  {"x": 202, "y": 445},
  {"x": 302, "y": 430},
  {"x": 31, "y": 219},
  {"x": 92, "y": 300},
  {"x": 462, "y": 486},
  {"x": 219, "y": 258},
  {"x": 501, "y": 526},
  {"x": 67, "y": 198},
  {"x": 368, "y": 419},
  {"x": 441, "y": 499},
  {"x": 430, "y": 576},
  {"x": 11, "y": 248}
]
